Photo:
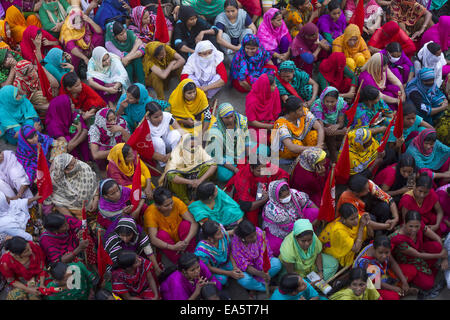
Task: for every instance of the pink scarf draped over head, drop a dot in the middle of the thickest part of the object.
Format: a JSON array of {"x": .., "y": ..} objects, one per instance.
[
  {"x": 301, "y": 44},
  {"x": 439, "y": 33},
  {"x": 270, "y": 36}
]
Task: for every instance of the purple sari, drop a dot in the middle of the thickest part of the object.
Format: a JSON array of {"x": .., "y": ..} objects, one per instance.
[
  {"x": 327, "y": 25},
  {"x": 401, "y": 68},
  {"x": 178, "y": 287},
  {"x": 390, "y": 89},
  {"x": 58, "y": 121}
]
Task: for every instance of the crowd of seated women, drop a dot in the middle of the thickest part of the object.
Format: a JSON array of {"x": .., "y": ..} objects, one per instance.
[{"x": 230, "y": 193}]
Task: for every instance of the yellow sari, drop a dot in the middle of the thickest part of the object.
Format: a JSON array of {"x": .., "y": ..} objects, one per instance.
[
  {"x": 371, "y": 293},
  {"x": 360, "y": 157},
  {"x": 18, "y": 24},
  {"x": 116, "y": 156},
  {"x": 69, "y": 33},
  {"x": 182, "y": 109},
  {"x": 338, "y": 239}
]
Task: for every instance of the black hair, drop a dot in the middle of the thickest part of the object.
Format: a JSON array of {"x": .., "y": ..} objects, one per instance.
[
  {"x": 255, "y": 165},
  {"x": 394, "y": 47},
  {"x": 431, "y": 137},
  {"x": 134, "y": 91},
  {"x": 152, "y": 108},
  {"x": 209, "y": 228},
  {"x": 54, "y": 221},
  {"x": 189, "y": 86},
  {"x": 125, "y": 259},
  {"x": 103, "y": 294},
  {"x": 205, "y": 190},
  {"x": 382, "y": 240},
  {"x": 232, "y": 3},
  {"x": 424, "y": 180},
  {"x": 354, "y": 274},
  {"x": 252, "y": 43},
  {"x": 161, "y": 194},
  {"x": 333, "y": 94},
  {"x": 107, "y": 186},
  {"x": 187, "y": 260},
  {"x": 405, "y": 160},
  {"x": 271, "y": 78},
  {"x": 244, "y": 229},
  {"x": 209, "y": 290},
  {"x": 16, "y": 245},
  {"x": 357, "y": 183},
  {"x": 385, "y": 59},
  {"x": 304, "y": 234},
  {"x": 369, "y": 92},
  {"x": 297, "y": 3},
  {"x": 333, "y": 5},
  {"x": 292, "y": 104},
  {"x": 433, "y": 47},
  {"x": 284, "y": 188},
  {"x": 122, "y": 230},
  {"x": 408, "y": 108},
  {"x": 412, "y": 215},
  {"x": 126, "y": 150},
  {"x": 69, "y": 80},
  {"x": 346, "y": 210},
  {"x": 158, "y": 50},
  {"x": 58, "y": 270},
  {"x": 289, "y": 283},
  {"x": 117, "y": 28},
  {"x": 276, "y": 15}
]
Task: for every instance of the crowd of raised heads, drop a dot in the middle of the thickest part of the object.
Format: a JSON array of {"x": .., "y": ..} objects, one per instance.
[{"x": 127, "y": 174}]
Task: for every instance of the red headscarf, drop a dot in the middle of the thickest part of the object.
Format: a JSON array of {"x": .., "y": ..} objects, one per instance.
[
  {"x": 420, "y": 139},
  {"x": 332, "y": 70},
  {"x": 261, "y": 104},
  {"x": 27, "y": 46},
  {"x": 391, "y": 32}
]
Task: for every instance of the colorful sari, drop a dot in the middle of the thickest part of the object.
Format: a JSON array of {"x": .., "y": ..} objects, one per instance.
[
  {"x": 140, "y": 243},
  {"x": 111, "y": 211},
  {"x": 356, "y": 56},
  {"x": 372, "y": 11},
  {"x": 7, "y": 41},
  {"x": 99, "y": 133},
  {"x": 136, "y": 284},
  {"x": 27, "y": 154},
  {"x": 391, "y": 32},
  {"x": 370, "y": 293},
  {"x": 360, "y": 157},
  {"x": 18, "y": 24},
  {"x": 122, "y": 172},
  {"x": 301, "y": 133},
  {"x": 27, "y": 79},
  {"x": 400, "y": 68},
  {"x": 406, "y": 12},
  {"x": 58, "y": 120},
  {"x": 271, "y": 38},
  {"x": 244, "y": 68},
  {"x": 110, "y": 10},
  {"x": 299, "y": 85},
  {"x": 226, "y": 211},
  {"x": 330, "y": 29},
  {"x": 433, "y": 159},
  {"x": 145, "y": 33},
  {"x": 305, "y": 261},
  {"x": 321, "y": 112},
  {"x": 52, "y": 13},
  {"x": 27, "y": 46}
]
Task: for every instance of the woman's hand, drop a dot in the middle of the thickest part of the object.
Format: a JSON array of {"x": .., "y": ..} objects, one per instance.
[
  {"x": 199, "y": 37},
  {"x": 37, "y": 126},
  {"x": 236, "y": 274},
  {"x": 88, "y": 114},
  {"x": 127, "y": 209},
  {"x": 37, "y": 43},
  {"x": 115, "y": 128},
  {"x": 125, "y": 61},
  {"x": 83, "y": 244},
  {"x": 189, "y": 123},
  {"x": 200, "y": 284},
  {"x": 112, "y": 90},
  {"x": 149, "y": 193},
  {"x": 66, "y": 65},
  {"x": 365, "y": 219},
  {"x": 195, "y": 183}
]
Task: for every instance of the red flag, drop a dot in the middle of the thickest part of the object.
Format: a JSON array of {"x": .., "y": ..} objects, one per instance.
[
  {"x": 398, "y": 127},
  {"x": 358, "y": 16},
  {"x": 84, "y": 221},
  {"x": 327, "y": 204},
  {"x": 136, "y": 190},
  {"x": 103, "y": 258},
  {"x": 375, "y": 118},
  {"x": 343, "y": 164},
  {"x": 43, "y": 179},
  {"x": 266, "y": 259},
  {"x": 141, "y": 141},
  {"x": 386, "y": 135},
  {"x": 43, "y": 81},
  {"x": 161, "y": 32},
  {"x": 351, "y": 112}
]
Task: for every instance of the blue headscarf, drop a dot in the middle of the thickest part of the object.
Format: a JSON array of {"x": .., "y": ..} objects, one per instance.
[
  {"x": 134, "y": 113},
  {"x": 14, "y": 113},
  {"x": 110, "y": 9},
  {"x": 243, "y": 66},
  {"x": 53, "y": 61},
  {"x": 27, "y": 154},
  {"x": 432, "y": 96}
]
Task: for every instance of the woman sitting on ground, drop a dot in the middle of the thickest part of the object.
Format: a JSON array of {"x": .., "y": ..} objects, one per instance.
[
  {"x": 14, "y": 181},
  {"x": 144, "y": 24},
  {"x": 293, "y": 287},
  {"x": 357, "y": 287}
]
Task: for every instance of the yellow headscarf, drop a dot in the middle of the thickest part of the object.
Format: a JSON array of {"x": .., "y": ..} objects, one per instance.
[
  {"x": 340, "y": 44},
  {"x": 69, "y": 33},
  {"x": 180, "y": 108},
  {"x": 184, "y": 159},
  {"x": 116, "y": 156},
  {"x": 16, "y": 22},
  {"x": 361, "y": 157},
  {"x": 149, "y": 59},
  {"x": 3, "y": 43}
]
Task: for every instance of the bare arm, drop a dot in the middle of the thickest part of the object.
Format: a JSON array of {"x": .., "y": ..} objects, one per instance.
[{"x": 194, "y": 226}]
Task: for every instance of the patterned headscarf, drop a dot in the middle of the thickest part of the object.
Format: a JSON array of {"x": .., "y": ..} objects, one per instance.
[
  {"x": 27, "y": 79},
  {"x": 287, "y": 65},
  {"x": 310, "y": 157}
]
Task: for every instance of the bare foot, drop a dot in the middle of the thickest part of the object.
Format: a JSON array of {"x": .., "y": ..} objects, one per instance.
[{"x": 412, "y": 292}]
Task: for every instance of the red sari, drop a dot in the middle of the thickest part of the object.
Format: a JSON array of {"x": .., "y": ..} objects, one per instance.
[
  {"x": 87, "y": 98},
  {"x": 246, "y": 186},
  {"x": 13, "y": 270},
  {"x": 27, "y": 46},
  {"x": 426, "y": 210}
]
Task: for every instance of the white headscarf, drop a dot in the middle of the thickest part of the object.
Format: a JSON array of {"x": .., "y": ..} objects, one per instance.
[
  {"x": 203, "y": 68},
  {"x": 429, "y": 60},
  {"x": 14, "y": 217},
  {"x": 11, "y": 171},
  {"x": 114, "y": 73}
]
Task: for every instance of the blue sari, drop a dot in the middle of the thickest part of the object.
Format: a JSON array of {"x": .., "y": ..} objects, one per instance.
[
  {"x": 134, "y": 113},
  {"x": 52, "y": 63},
  {"x": 110, "y": 9}
]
